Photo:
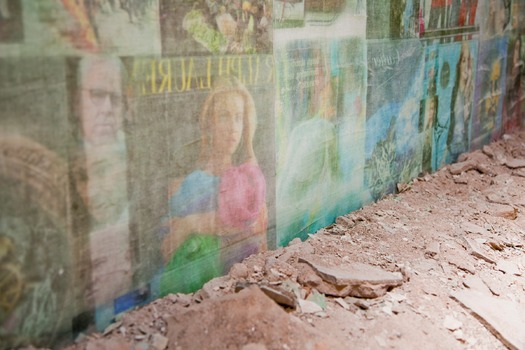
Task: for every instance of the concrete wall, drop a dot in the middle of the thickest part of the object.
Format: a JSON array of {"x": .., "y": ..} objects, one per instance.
[{"x": 146, "y": 146}]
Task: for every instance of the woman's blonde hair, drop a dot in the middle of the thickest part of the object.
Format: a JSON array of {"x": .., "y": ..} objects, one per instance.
[{"x": 223, "y": 85}]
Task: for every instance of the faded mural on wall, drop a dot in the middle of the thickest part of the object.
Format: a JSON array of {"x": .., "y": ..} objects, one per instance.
[
  {"x": 320, "y": 129},
  {"x": 147, "y": 146},
  {"x": 395, "y": 76},
  {"x": 320, "y": 117},
  {"x": 37, "y": 244},
  {"x": 206, "y": 182}
]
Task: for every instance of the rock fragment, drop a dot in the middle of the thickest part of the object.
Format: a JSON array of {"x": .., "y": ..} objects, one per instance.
[
  {"x": 476, "y": 250},
  {"x": 345, "y": 221},
  {"x": 110, "y": 344},
  {"x": 239, "y": 270},
  {"x": 356, "y": 279},
  {"x": 508, "y": 267},
  {"x": 342, "y": 303},
  {"x": 159, "y": 342},
  {"x": 451, "y": 323},
  {"x": 519, "y": 172},
  {"x": 309, "y": 307},
  {"x": 488, "y": 151},
  {"x": 254, "y": 346},
  {"x": 432, "y": 249},
  {"x": 477, "y": 284},
  {"x": 280, "y": 296},
  {"x": 473, "y": 228},
  {"x": 461, "y": 264},
  {"x": 458, "y": 168},
  {"x": 248, "y": 315},
  {"x": 515, "y": 163},
  {"x": 505, "y": 319},
  {"x": 503, "y": 211}
]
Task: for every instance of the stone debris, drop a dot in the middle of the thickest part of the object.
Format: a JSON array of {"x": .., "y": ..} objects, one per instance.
[
  {"x": 470, "y": 164},
  {"x": 458, "y": 168},
  {"x": 317, "y": 298},
  {"x": 499, "y": 198},
  {"x": 461, "y": 264},
  {"x": 476, "y": 250},
  {"x": 238, "y": 271},
  {"x": 280, "y": 296},
  {"x": 309, "y": 307},
  {"x": 487, "y": 149},
  {"x": 515, "y": 163},
  {"x": 109, "y": 344},
  {"x": 473, "y": 228},
  {"x": 432, "y": 249},
  {"x": 112, "y": 327},
  {"x": 356, "y": 279},
  {"x": 519, "y": 172},
  {"x": 216, "y": 287},
  {"x": 477, "y": 284},
  {"x": 495, "y": 288},
  {"x": 254, "y": 346},
  {"x": 248, "y": 314},
  {"x": 345, "y": 222},
  {"x": 503, "y": 211},
  {"x": 505, "y": 319},
  {"x": 495, "y": 244},
  {"x": 508, "y": 267},
  {"x": 342, "y": 303},
  {"x": 451, "y": 323},
  {"x": 159, "y": 342},
  {"x": 294, "y": 241},
  {"x": 420, "y": 233}
]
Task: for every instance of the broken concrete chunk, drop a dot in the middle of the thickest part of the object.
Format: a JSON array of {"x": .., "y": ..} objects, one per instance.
[
  {"x": 280, "y": 296},
  {"x": 494, "y": 286},
  {"x": 473, "y": 228},
  {"x": 458, "y": 168},
  {"x": 505, "y": 319},
  {"x": 317, "y": 298},
  {"x": 515, "y": 163},
  {"x": 484, "y": 169},
  {"x": 503, "y": 211},
  {"x": 477, "y": 284},
  {"x": 461, "y": 264},
  {"x": 342, "y": 303},
  {"x": 508, "y": 267},
  {"x": 110, "y": 344},
  {"x": 432, "y": 249},
  {"x": 307, "y": 276},
  {"x": 495, "y": 244},
  {"x": 451, "y": 323},
  {"x": 239, "y": 270},
  {"x": 476, "y": 250},
  {"x": 359, "y": 280},
  {"x": 345, "y": 222},
  {"x": 216, "y": 287},
  {"x": 250, "y": 316},
  {"x": 254, "y": 346},
  {"x": 159, "y": 342},
  {"x": 309, "y": 307},
  {"x": 488, "y": 151},
  {"x": 519, "y": 172},
  {"x": 499, "y": 198}
]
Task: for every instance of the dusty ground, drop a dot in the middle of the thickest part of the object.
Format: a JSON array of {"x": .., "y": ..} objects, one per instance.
[{"x": 460, "y": 229}]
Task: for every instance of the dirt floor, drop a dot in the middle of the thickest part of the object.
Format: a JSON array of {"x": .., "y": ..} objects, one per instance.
[{"x": 440, "y": 265}]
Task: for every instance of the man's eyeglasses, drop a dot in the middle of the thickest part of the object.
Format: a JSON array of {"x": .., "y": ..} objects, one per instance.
[{"x": 98, "y": 97}]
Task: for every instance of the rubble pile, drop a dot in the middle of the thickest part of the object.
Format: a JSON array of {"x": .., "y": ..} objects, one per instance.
[{"x": 440, "y": 264}]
